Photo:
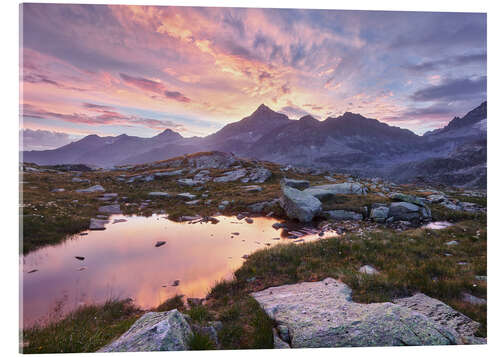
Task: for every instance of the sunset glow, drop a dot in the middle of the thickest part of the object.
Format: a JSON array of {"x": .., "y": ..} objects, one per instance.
[{"x": 109, "y": 70}]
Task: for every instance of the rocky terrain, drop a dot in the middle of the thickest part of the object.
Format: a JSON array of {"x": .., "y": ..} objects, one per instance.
[
  {"x": 411, "y": 284},
  {"x": 454, "y": 155}
]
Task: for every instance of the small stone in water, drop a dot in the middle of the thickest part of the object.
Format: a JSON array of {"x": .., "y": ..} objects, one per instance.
[
  {"x": 80, "y": 258},
  {"x": 176, "y": 283},
  {"x": 160, "y": 243},
  {"x": 33, "y": 271},
  {"x": 249, "y": 220}
]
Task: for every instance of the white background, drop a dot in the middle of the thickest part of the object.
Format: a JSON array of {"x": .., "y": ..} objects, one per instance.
[{"x": 9, "y": 194}]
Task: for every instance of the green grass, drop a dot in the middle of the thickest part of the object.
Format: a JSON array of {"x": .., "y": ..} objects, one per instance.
[
  {"x": 199, "y": 314},
  {"x": 84, "y": 330},
  {"x": 200, "y": 342},
  {"x": 409, "y": 262}
]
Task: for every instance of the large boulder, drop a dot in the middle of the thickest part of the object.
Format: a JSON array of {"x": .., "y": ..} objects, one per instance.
[
  {"x": 379, "y": 213},
  {"x": 299, "y": 204},
  {"x": 322, "y": 314},
  {"x": 154, "y": 331},
  {"x": 323, "y": 192},
  {"x": 404, "y": 211},
  {"x": 298, "y": 184}
]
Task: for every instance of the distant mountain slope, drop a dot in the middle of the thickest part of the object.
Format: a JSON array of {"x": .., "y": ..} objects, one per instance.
[
  {"x": 349, "y": 143},
  {"x": 102, "y": 151}
]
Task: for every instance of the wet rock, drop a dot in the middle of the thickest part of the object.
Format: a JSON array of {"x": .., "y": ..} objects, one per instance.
[
  {"x": 159, "y": 194},
  {"x": 298, "y": 184},
  {"x": 456, "y": 322},
  {"x": 231, "y": 176},
  {"x": 98, "y": 224},
  {"x": 473, "y": 300},
  {"x": 278, "y": 225},
  {"x": 240, "y": 216},
  {"x": 119, "y": 220},
  {"x": 160, "y": 243},
  {"x": 248, "y": 220},
  {"x": 323, "y": 192},
  {"x": 92, "y": 189},
  {"x": 299, "y": 204},
  {"x": 176, "y": 283},
  {"x": 342, "y": 215},
  {"x": 110, "y": 209},
  {"x": 322, "y": 314},
  {"x": 58, "y": 190},
  {"x": 379, "y": 213},
  {"x": 154, "y": 331},
  {"x": 368, "y": 269},
  {"x": 80, "y": 258}
]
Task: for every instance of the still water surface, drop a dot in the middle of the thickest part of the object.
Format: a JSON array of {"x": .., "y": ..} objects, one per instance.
[{"x": 122, "y": 261}]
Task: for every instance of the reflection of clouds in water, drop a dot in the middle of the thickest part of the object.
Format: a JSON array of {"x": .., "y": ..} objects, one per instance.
[{"x": 122, "y": 261}]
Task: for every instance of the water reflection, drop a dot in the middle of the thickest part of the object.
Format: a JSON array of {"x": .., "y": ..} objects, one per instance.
[{"x": 122, "y": 261}]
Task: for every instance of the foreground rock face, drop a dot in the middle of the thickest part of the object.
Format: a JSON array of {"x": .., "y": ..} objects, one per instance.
[
  {"x": 322, "y": 314},
  {"x": 460, "y": 325},
  {"x": 299, "y": 204},
  {"x": 154, "y": 331}
]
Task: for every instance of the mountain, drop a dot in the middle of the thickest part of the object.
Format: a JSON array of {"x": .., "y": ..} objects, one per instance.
[
  {"x": 101, "y": 151},
  {"x": 350, "y": 143},
  {"x": 239, "y": 136}
]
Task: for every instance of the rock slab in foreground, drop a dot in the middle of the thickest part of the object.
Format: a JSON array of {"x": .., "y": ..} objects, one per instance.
[
  {"x": 460, "y": 325},
  {"x": 154, "y": 331},
  {"x": 322, "y": 314}
]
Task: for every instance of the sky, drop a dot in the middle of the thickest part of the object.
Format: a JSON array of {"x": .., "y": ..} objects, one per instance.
[{"x": 109, "y": 70}]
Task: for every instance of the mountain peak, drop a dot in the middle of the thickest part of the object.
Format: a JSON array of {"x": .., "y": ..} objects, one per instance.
[
  {"x": 263, "y": 109},
  {"x": 169, "y": 133},
  {"x": 308, "y": 119}
]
